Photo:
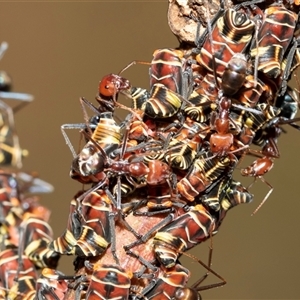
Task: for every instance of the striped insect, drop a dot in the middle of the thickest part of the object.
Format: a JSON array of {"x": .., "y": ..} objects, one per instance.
[
  {"x": 198, "y": 224},
  {"x": 255, "y": 122},
  {"x": 52, "y": 285},
  {"x": 36, "y": 234},
  {"x": 183, "y": 233},
  {"x": 236, "y": 194},
  {"x": 231, "y": 34},
  {"x": 171, "y": 283},
  {"x": 253, "y": 91},
  {"x": 17, "y": 274},
  {"x": 167, "y": 285},
  {"x": 24, "y": 289},
  {"x": 108, "y": 282},
  {"x": 261, "y": 127},
  {"x": 203, "y": 100},
  {"x": 88, "y": 231},
  {"x": 138, "y": 97},
  {"x": 205, "y": 170},
  {"x": 90, "y": 162},
  {"x": 16, "y": 201},
  {"x": 170, "y": 83},
  {"x": 213, "y": 196},
  {"x": 273, "y": 38},
  {"x": 183, "y": 145},
  {"x": 224, "y": 195},
  {"x": 267, "y": 136}
]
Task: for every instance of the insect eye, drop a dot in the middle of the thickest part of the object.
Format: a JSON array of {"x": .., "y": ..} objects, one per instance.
[{"x": 240, "y": 19}]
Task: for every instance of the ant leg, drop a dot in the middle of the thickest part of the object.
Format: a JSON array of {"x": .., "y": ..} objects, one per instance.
[
  {"x": 148, "y": 235},
  {"x": 67, "y": 139},
  {"x": 266, "y": 197}
]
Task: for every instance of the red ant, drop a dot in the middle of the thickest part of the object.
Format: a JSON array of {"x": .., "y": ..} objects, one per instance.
[{"x": 258, "y": 169}]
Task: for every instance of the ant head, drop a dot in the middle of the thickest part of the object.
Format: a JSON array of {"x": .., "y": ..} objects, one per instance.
[
  {"x": 112, "y": 84},
  {"x": 220, "y": 144}
]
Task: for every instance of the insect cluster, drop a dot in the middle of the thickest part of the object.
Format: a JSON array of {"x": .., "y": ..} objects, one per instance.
[
  {"x": 24, "y": 229},
  {"x": 161, "y": 180}
]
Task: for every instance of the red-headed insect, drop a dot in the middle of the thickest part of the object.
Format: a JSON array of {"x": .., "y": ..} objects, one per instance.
[
  {"x": 110, "y": 86},
  {"x": 257, "y": 170}
]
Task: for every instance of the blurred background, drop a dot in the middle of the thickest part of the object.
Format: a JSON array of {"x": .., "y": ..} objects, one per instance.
[{"x": 58, "y": 52}]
